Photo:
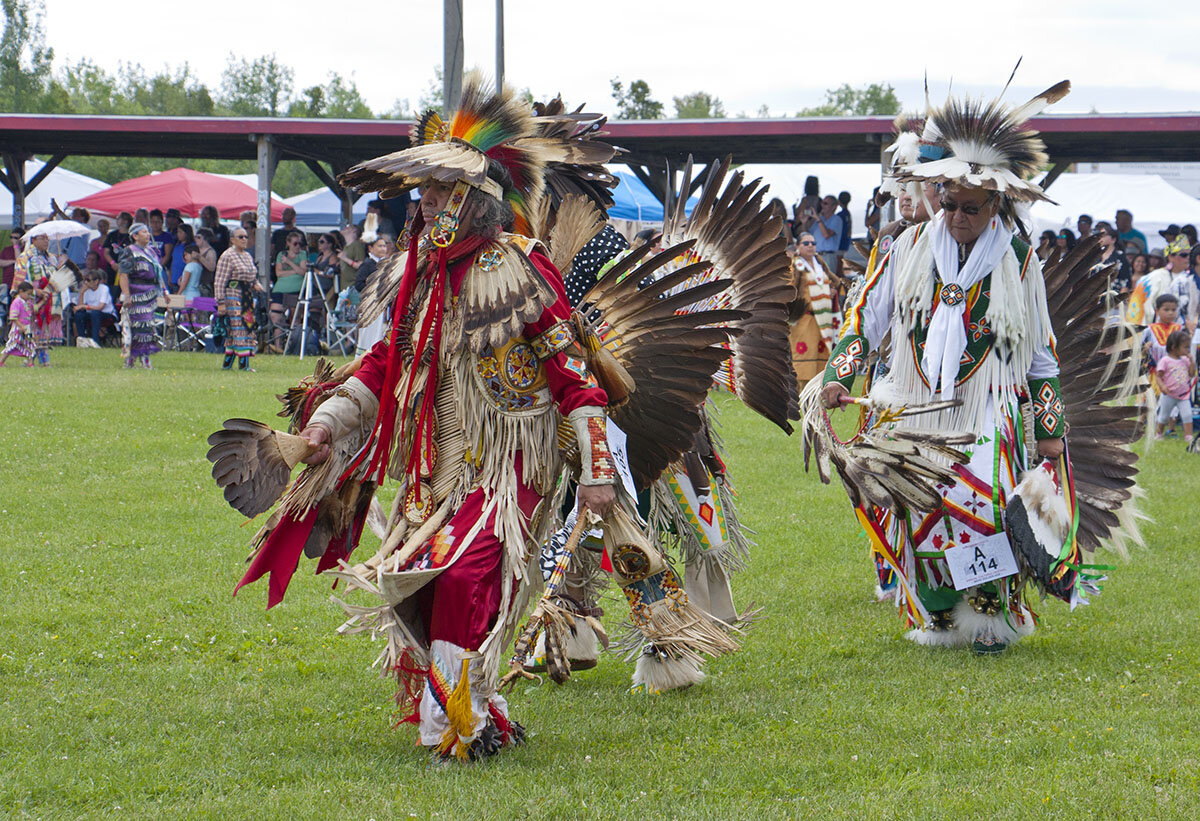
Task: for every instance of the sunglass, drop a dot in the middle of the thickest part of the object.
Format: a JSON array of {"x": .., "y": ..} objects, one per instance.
[
  {"x": 970, "y": 210},
  {"x": 808, "y": 242},
  {"x": 241, "y": 236}
]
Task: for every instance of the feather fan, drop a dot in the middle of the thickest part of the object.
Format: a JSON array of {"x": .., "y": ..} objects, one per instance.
[
  {"x": 670, "y": 353},
  {"x": 741, "y": 240}
]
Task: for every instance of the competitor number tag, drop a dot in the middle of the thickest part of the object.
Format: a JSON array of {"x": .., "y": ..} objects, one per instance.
[{"x": 983, "y": 561}]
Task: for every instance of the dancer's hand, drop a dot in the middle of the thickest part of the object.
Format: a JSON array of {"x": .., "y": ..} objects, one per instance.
[
  {"x": 1050, "y": 448},
  {"x": 597, "y": 498},
  {"x": 834, "y": 395},
  {"x": 318, "y": 437}
]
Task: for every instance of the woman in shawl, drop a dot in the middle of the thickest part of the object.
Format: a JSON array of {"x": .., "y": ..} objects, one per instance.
[
  {"x": 815, "y": 321},
  {"x": 237, "y": 280},
  {"x": 140, "y": 275}
]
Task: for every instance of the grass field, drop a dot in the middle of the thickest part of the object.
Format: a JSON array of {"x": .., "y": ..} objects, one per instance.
[{"x": 133, "y": 685}]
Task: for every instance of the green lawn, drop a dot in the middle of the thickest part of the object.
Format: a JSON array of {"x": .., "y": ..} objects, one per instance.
[{"x": 134, "y": 685}]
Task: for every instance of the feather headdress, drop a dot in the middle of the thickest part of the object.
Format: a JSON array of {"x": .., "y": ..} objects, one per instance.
[
  {"x": 988, "y": 147},
  {"x": 492, "y": 126},
  {"x": 905, "y": 149}
]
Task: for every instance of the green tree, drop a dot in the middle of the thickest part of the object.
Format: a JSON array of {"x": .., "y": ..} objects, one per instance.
[
  {"x": 635, "y": 102},
  {"x": 26, "y": 62},
  {"x": 256, "y": 88},
  {"x": 699, "y": 105},
  {"x": 845, "y": 101},
  {"x": 343, "y": 101},
  {"x": 434, "y": 96}
]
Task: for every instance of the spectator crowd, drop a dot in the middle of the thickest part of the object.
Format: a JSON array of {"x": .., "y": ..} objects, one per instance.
[{"x": 80, "y": 290}]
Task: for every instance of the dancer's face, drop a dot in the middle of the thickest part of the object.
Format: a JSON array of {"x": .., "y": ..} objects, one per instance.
[{"x": 968, "y": 211}]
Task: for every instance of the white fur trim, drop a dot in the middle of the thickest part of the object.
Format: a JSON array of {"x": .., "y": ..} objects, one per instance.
[
  {"x": 974, "y": 626},
  {"x": 657, "y": 674}
]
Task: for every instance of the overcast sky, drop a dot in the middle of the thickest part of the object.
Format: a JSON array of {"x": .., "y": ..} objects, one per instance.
[{"x": 1120, "y": 56}]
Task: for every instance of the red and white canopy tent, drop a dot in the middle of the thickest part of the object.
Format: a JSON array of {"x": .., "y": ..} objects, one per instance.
[{"x": 181, "y": 188}]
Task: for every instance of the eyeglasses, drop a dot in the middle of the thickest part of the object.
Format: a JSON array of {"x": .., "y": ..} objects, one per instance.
[
  {"x": 241, "y": 236},
  {"x": 949, "y": 206}
]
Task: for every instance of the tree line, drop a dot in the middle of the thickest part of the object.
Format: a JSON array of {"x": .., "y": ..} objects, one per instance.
[{"x": 30, "y": 82}]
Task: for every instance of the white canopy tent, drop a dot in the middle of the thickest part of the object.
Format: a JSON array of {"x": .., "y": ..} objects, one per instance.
[
  {"x": 787, "y": 183},
  {"x": 320, "y": 208},
  {"x": 61, "y": 185},
  {"x": 1154, "y": 203}
]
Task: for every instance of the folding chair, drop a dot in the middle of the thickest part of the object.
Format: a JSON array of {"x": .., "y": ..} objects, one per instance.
[
  {"x": 341, "y": 326},
  {"x": 194, "y": 322}
]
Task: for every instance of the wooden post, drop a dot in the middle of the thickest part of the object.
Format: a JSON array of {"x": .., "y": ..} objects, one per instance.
[
  {"x": 14, "y": 165},
  {"x": 452, "y": 54},
  {"x": 499, "y": 46},
  {"x": 262, "y": 232}
]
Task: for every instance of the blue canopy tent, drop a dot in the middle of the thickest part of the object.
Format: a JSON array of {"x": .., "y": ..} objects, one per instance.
[
  {"x": 322, "y": 209},
  {"x": 634, "y": 202}
]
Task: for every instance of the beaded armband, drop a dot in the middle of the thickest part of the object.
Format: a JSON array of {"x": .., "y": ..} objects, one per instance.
[
  {"x": 591, "y": 432},
  {"x": 555, "y": 339},
  {"x": 845, "y": 360},
  {"x": 1049, "y": 418}
]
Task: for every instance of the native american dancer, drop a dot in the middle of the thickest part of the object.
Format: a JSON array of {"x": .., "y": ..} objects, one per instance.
[
  {"x": 972, "y": 495},
  {"x": 915, "y": 201},
  {"x": 485, "y": 389},
  {"x": 690, "y": 507}
]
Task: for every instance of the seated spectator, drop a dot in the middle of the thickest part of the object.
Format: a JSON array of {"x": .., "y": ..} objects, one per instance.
[
  {"x": 1065, "y": 241},
  {"x": 1120, "y": 281},
  {"x": 1189, "y": 231},
  {"x": 95, "y": 307},
  {"x": 1084, "y": 225},
  {"x": 1045, "y": 244},
  {"x": 290, "y": 267},
  {"x": 1169, "y": 233},
  {"x": 327, "y": 265},
  {"x": 1129, "y": 235},
  {"x": 193, "y": 272}
]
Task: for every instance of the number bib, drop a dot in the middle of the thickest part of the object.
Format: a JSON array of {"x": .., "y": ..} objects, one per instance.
[{"x": 988, "y": 559}]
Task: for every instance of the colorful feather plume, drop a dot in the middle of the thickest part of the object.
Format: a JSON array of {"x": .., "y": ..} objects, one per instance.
[{"x": 989, "y": 147}]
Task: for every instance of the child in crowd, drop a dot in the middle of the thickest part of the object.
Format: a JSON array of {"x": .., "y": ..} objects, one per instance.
[
  {"x": 189, "y": 280},
  {"x": 1154, "y": 338},
  {"x": 1174, "y": 374},
  {"x": 20, "y": 331}
]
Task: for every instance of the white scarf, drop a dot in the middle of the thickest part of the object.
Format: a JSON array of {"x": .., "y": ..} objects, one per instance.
[{"x": 947, "y": 337}]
